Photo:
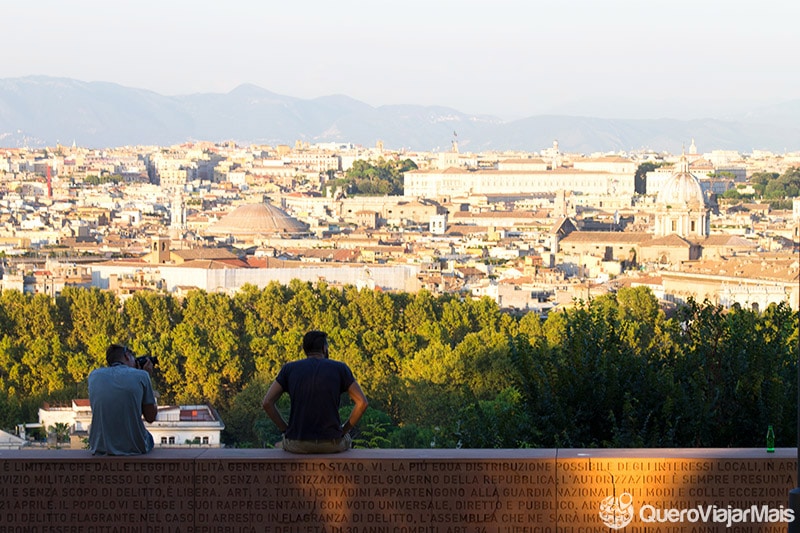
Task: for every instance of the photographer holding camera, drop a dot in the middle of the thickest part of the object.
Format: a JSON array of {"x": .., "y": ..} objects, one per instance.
[{"x": 120, "y": 394}]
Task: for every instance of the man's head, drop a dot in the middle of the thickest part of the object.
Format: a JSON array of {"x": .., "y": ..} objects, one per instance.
[
  {"x": 116, "y": 353},
  {"x": 315, "y": 342}
]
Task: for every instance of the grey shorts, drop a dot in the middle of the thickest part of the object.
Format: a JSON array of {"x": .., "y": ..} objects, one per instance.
[{"x": 318, "y": 446}]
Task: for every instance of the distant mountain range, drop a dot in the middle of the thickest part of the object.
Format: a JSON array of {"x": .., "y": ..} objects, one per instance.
[{"x": 40, "y": 111}]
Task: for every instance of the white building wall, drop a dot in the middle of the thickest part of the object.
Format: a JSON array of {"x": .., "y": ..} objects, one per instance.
[
  {"x": 603, "y": 165},
  {"x": 57, "y": 415},
  {"x": 386, "y": 277},
  {"x": 398, "y": 277},
  {"x": 426, "y": 184},
  {"x": 752, "y": 296},
  {"x": 10, "y": 442},
  {"x": 167, "y": 424}
]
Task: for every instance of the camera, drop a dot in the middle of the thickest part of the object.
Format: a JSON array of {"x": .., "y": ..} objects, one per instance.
[{"x": 142, "y": 360}]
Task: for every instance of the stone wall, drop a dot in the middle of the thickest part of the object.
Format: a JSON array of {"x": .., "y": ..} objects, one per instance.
[{"x": 398, "y": 491}]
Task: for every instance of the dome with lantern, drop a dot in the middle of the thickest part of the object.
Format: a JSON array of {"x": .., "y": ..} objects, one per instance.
[
  {"x": 682, "y": 189},
  {"x": 681, "y": 207}
]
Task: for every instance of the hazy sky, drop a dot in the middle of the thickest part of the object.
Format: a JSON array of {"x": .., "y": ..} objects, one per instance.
[{"x": 511, "y": 58}]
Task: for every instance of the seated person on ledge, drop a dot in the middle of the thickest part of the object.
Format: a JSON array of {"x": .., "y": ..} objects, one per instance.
[
  {"x": 315, "y": 385},
  {"x": 119, "y": 395}
]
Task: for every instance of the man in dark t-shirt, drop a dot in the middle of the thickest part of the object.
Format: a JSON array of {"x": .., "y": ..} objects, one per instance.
[{"x": 315, "y": 385}]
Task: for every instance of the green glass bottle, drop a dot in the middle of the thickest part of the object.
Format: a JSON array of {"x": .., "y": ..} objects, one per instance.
[{"x": 770, "y": 440}]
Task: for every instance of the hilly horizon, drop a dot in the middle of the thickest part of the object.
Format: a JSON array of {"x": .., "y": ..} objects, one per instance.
[{"x": 37, "y": 111}]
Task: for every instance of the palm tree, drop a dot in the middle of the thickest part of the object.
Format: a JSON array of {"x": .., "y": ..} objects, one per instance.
[{"x": 61, "y": 430}]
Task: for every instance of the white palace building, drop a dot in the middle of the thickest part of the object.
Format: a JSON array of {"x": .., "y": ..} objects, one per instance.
[{"x": 605, "y": 176}]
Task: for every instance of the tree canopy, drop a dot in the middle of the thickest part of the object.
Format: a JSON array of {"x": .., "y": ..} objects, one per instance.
[
  {"x": 640, "y": 178},
  {"x": 777, "y": 189},
  {"x": 374, "y": 178},
  {"x": 438, "y": 370},
  {"x": 102, "y": 180}
]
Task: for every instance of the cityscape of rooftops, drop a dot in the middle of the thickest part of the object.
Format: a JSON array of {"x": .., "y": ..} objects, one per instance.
[{"x": 530, "y": 230}]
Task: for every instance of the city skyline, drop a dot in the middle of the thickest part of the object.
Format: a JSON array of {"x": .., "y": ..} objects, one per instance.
[{"x": 614, "y": 59}]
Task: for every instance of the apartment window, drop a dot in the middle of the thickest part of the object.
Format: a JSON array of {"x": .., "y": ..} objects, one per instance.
[
  {"x": 205, "y": 440},
  {"x": 163, "y": 440},
  {"x": 172, "y": 440}
]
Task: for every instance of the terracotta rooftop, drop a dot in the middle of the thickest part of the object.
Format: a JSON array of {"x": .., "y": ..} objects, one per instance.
[
  {"x": 607, "y": 237},
  {"x": 644, "y": 280},
  {"x": 274, "y": 262},
  {"x": 523, "y": 161},
  {"x": 204, "y": 253},
  {"x": 213, "y": 264},
  {"x": 669, "y": 240},
  {"x": 463, "y": 229},
  {"x": 784, "y": 268},
  {"x": 493, "y": 214},
  {"x": 727, "y": 240}
]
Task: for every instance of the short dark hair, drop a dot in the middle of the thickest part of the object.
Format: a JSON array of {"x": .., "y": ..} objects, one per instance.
[
  {"x": 116, "y": 353},
  {"x": 314, "y": 341}
]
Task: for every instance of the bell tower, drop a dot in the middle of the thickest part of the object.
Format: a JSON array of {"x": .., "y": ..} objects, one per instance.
[{"x": 160, "y": 250}]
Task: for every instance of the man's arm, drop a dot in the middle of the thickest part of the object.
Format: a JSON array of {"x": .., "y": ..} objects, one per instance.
[
  {"x": 268, "y": 404},
  {"x": 149, "y": 411},
  {"x": 361, "y": 403}
]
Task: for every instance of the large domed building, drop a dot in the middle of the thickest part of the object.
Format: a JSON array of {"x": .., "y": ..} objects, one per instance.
[
  {"x": 681, "y": 206},
  {"x": 252, "y": 221}
]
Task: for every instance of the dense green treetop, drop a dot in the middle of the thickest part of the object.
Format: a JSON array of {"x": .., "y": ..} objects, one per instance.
[
  {"x": 640, "y": 178},
  {"x": 438, "y": 370},
  {"x": 374, "y": 178},
  {"x": 103, "y": 180},
  {"x": 772, "y": 186}
]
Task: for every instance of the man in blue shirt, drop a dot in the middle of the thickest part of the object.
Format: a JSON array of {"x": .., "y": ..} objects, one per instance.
[
  {"x": 120, "y": 394},
  {"x": 315, "y": 385}
]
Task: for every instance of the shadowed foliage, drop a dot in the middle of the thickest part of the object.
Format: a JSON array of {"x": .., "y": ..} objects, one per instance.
[{"x": 439, "y": 371}]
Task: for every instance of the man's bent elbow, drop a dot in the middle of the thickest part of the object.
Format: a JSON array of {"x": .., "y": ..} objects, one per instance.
[
  {"x": 267, "y": 406},
  {"x": 149, "y": 412},
  {"x": 360, "y": 406}
]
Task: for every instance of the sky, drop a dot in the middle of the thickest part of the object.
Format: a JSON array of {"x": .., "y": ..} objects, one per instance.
[{"x": 507, "y": 58}]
